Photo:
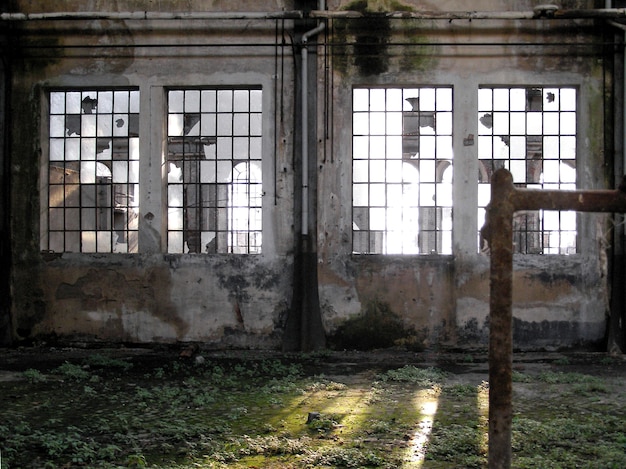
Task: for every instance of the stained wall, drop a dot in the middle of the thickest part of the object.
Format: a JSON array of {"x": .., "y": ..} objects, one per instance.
[{"x": 250, "y": 300}]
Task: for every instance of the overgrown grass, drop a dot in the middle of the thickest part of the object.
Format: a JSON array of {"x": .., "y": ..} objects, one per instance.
[{"x": 269, "y": 413}]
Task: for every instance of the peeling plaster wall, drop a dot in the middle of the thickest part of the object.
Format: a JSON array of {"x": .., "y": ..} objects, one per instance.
[
  {"x": 244, "y": 301},
  {"x": 559, "y": 301},
  {"x": 164, "y": 299},
  {"x": 151, "y": 296}
]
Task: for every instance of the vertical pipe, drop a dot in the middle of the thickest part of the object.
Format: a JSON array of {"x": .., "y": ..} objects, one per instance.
[
  {"x": 305, "y": 126},
  {"x": 608, "y": 4},
  {"x": 305, "y": 139},
  {"x": 6, "y": 320},
  {"x": 624, "y": 107},
  {"x": 500, "y": 221}
]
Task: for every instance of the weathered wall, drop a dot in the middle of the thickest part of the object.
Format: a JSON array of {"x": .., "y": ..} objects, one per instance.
[
  {"x": 558, "y": 300},
  {"x": 164, "y": 299},
  {"x": 246, "y": 300},
  {"x": 150, "y": 296}
]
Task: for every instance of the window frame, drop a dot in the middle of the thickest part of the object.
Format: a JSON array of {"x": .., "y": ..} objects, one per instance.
[
  {"x": 72, "y": 143},
  {"x": 213, "y": 128},
  {"x": 532, "y": 233},
  {"x": 407, "y": 150}
]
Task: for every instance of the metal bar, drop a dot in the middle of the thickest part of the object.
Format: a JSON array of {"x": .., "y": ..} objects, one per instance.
[
  {"x": 151, "y": 15},
  {"x": 540, "y": 12},
  {"x": 607, "y": 201},
  {"x": 505, "y": 201},
  {"x": 500, "y": 215}
]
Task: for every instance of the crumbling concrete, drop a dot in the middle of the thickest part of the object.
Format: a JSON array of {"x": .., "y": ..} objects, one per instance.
[{"x": 249, "y": 300}]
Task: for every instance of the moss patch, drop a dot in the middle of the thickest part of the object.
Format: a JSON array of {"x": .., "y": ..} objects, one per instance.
[
  {"x": 375, "y": 328},
  {"x": 365, "y": 44},
  {"x": 266, "y": 410}
]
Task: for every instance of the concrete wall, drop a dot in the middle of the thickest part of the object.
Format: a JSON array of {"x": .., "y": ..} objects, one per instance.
[
  {"x": 248, "y": 300},
  {"x": 238, "y": 300},
  {"x": 559, "y": 300}
]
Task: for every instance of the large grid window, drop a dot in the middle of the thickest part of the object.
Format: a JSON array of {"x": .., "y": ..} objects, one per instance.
[
  {"x": 214, "y": 170},
  {"x": 93, "y": 171},
  {"x": 402, "y": 170},
  {"x": 531, "y": 131}
]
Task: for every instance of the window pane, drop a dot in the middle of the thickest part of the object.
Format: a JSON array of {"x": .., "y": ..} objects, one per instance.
[
  {"x": 402, "y": 138},
  {"x": 538, "y": 148},
  {"x": 215, "y": 178}
]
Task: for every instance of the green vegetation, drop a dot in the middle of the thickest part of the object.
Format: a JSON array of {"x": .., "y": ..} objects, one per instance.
[
  {"x": 376, "y": 327},
  {"x": 234, "y": 412}
]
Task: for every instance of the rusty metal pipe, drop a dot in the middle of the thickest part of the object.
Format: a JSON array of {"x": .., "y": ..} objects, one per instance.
[
  {"x": 607, "y": 201},
  {"x": 505, "y": 201},
  {"x": 500, "y": 215}
]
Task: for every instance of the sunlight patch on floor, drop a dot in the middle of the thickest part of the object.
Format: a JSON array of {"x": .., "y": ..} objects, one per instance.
[{"x": 426, "y": 403}]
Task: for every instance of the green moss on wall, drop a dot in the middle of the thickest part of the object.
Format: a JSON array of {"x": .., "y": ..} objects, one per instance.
[
  {"x": 365, "y": 43},
  {"x": 376, "y": 327}
]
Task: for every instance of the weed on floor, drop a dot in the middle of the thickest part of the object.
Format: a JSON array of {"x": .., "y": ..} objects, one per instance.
[{"x": 298, "y": 411}]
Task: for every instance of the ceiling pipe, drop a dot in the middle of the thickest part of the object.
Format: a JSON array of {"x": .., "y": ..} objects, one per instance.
[
  {"x": 539, "y": 12},
  {"x": 152, "y": 15}
]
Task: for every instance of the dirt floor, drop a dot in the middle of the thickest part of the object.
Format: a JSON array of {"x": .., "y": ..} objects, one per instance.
[
  {"x": 184, "y": 406},
  {"x": 471, "y": 365}
]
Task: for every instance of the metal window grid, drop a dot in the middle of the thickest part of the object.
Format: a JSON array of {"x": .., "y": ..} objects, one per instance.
[
  {"x": 402, "y": 170},
  {"x": 214, "y": 170},
  {"x": 93, "y": 171},
  {"x": 530, "y": 131}
]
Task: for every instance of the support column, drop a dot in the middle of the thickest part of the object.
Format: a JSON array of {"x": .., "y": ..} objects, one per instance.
[
  {"x": 500, "y": 221},
  {"x": 505, "y": 201}
]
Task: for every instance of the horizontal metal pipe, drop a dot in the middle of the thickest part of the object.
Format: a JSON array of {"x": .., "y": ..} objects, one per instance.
[
  {"x": 314, "y": 44},
  {"x": 606, "y": 201},
  {"x": 151, "y": 15},
  {"x": 617, "y": 25},
  {"x": 537, "y": 13}
]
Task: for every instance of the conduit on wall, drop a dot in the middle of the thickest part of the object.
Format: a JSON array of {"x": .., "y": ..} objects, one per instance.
[
  {"x": 540, "y": 12},
  {"x": 305, "y": 126}
]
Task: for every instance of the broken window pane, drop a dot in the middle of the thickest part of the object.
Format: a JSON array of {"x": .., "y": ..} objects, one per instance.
[
  {"x": 536, "y": 129},
  {"x": 402, "y": 137},
  {"x": 212, "y": 186}
]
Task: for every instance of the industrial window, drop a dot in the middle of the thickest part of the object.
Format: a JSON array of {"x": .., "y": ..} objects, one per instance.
[
  {"x": 214, "y": 171},
  {"x": 93, "y": 171},
  {"x": 402, "y": 170},
  {"x": 531, "y": 131}
]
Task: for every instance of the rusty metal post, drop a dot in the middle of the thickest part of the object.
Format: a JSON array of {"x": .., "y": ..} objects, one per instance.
[
  {"x": 500, "y": 221},
  {"x": 505, "y": 201}
]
